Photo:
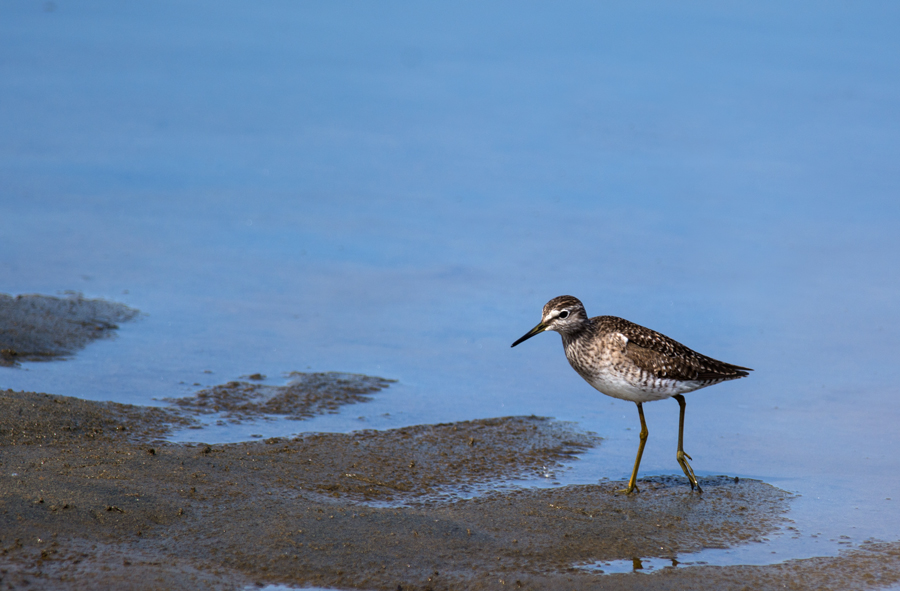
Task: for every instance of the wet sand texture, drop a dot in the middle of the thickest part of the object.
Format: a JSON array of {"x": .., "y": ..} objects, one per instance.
[
  {"x": 42, "y": 328},
  {"x": 90, "y": 498},
  {"x": 305, "y": 395},
  {"x": 31, "y": 419}
]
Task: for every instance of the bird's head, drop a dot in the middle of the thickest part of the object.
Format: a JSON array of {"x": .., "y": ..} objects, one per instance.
[{"x": 564, "y": 314}]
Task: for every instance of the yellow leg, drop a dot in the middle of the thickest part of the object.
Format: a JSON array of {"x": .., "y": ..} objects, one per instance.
[
  {"x": 632, "y": 483},
  {"x": 683, "y": 457}
]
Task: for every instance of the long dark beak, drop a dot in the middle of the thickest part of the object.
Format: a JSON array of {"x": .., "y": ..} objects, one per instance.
[{"x": 536, "y": 330}]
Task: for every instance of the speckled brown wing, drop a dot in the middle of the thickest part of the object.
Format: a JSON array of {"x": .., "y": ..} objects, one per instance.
[{"x": 667, "y": 358}]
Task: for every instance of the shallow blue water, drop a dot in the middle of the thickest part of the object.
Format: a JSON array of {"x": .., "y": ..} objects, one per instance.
[{"x": 396, "y": 189}]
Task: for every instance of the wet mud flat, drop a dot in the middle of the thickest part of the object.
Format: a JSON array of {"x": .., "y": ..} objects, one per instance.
[
  {"x": 91, "y": 497},
  {"x": 44, "y": 328}
]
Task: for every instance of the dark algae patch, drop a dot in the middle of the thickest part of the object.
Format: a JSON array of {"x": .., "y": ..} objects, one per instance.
[
  {"x": 305, "y": 395},
  {"x": 43, "y": 328},
  {"x": 91, "y": 498}
]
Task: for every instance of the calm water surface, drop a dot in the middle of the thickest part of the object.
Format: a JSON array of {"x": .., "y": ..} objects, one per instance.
[{"x": 396, "y": 189}]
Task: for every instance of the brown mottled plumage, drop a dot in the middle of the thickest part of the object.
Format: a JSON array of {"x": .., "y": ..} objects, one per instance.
[{"x": 625, "y": 360}]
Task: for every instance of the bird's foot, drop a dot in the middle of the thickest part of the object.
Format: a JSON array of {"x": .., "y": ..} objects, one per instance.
[
  {"x": 688, "y": 471},
  {"x": 627, "y": 491}
]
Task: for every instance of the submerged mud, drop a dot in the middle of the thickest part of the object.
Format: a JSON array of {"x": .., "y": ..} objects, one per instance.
[
  {"x": 42, "y": 328},
  {"x": 304, "y": 396}
]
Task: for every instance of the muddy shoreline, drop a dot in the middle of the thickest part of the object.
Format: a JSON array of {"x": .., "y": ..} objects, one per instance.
[
  {"x": 46, "y": 328},
  {"x": 92, "y": 497}
]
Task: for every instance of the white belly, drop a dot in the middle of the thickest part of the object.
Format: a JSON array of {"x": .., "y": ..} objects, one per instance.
[{"x": 644, "y": 390}]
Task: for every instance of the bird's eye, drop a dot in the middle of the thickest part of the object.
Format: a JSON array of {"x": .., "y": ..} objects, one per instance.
[{"x": 564, "y": 314}]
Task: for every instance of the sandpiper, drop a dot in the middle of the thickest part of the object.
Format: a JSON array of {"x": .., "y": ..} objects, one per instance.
[{"x": 627, "y": 361}]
